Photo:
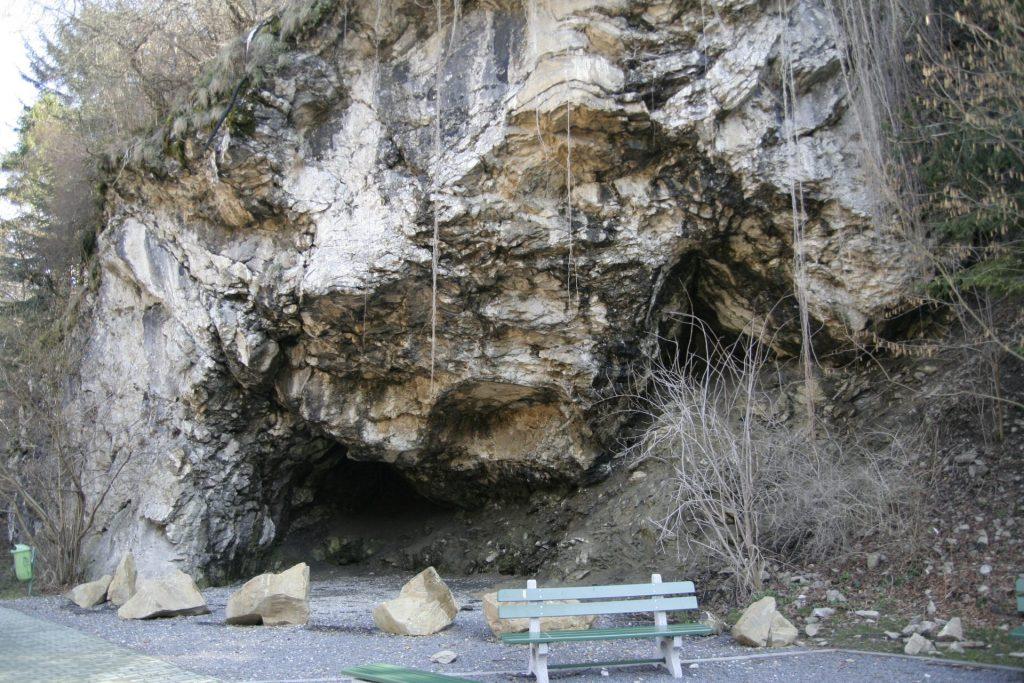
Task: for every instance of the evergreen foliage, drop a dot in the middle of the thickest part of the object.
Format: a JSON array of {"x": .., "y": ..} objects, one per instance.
[{"x": 969, "y": 143}]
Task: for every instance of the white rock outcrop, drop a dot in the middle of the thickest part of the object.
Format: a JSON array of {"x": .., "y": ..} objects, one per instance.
[
  {"x": 272, "y": 599},
  {"x": 268, "y": 298},
  {"x": 424, "y": 606}
]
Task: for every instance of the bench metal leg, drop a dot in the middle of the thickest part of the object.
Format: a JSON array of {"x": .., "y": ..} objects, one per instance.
[
  {"x": 539, "y": 662},
  {"x": 670, "y": 646},
  {"x": 670, "y": 651}
]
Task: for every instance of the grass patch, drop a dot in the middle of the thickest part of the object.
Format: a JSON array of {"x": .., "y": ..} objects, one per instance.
[
  {"x": 10, "y": 587},
  {"x": 871, "y": 638}
]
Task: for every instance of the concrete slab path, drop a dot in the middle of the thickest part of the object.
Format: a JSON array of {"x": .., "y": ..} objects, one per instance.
[{"x": 39, "y": 650}]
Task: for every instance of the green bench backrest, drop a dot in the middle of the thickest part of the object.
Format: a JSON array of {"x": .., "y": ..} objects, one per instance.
[
  {"x": 622, "y": 599},
  {"x": 1020, "y": 595}
]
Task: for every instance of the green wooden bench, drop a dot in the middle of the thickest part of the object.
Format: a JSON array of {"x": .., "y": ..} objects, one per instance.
[
  {"x": 389, "y": 673},
  {"x": 1019, "y": 631},
  {"x": 655, "y": 597}
]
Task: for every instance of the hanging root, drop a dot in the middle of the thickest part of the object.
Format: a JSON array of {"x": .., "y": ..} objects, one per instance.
[
  {"x": 799, "y": 215},
  {"x": 435, "y": 240}
]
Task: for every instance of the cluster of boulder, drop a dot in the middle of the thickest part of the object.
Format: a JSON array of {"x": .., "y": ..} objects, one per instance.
[
  {"x": 926, "y": 636},
  {"x": 270, "y": 599},
  {"x": 118, "y": 588},
  {"x": 426, "y": 605},
  {"x": 761, "y": 625},
  {"x": 174, "y": 594}
]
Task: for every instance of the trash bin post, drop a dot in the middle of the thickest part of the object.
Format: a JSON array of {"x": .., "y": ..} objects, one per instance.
[{"x": 24, "y": 561}]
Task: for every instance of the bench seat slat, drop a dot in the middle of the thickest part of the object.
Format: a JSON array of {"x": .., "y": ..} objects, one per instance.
[
  {"x": 576, "y": 609},
  {"x": 389, "y": 673},
  {"x": 617, "y": 662},
  {"x": 634, "y": 590},
  {"x": 624, "y": 632}
]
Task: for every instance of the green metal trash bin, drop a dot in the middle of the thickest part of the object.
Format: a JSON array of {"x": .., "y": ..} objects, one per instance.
[{"x": 23, "y": 561}]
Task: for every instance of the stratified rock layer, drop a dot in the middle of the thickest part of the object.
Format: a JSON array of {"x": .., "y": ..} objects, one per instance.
[{"x": 605, "y": 168}]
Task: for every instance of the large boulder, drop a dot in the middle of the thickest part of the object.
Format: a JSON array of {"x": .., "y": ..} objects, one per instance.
[
  {"x": 122, "y": 587},
  {"x": 424, "y": 606},
  {"x": 762, "y": 624},
  {"x": 272, "y": 599},
  {"x": 90, "y": 594},
  {"x": 499, "y": 625},
  {"x": 173, "y": 595}
]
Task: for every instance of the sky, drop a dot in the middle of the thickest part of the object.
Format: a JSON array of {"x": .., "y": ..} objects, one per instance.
[{"x": 19, "y": 20}]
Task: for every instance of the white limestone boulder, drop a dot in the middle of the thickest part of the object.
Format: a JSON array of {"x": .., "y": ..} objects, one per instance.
[
  {"x": 918, "y": 645},
  {"x": 763, "y": 625},
  {"x": 952, "y": 631},
  {"x": 272, "y": 599},
  {"x": 90, "y": 594},
  {"x": 499, "y": 625},
  {"x": 424, "y": 606},
  {"x": 122, "y": 586},
  {"x": 173, "y": 595}
]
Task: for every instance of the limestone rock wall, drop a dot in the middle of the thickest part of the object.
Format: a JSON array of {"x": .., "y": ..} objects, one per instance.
[{"x": 603, "y": 165}]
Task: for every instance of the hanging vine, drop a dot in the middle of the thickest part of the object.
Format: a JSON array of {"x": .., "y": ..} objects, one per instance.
[
  {"x": 798, "y": 214},
  {"x": 435, "y": 244}
]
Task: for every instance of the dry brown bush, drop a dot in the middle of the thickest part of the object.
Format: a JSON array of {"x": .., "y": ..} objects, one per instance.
[
  {"x": 750, "y": 484},
  {"x": 57, "y": 464}
]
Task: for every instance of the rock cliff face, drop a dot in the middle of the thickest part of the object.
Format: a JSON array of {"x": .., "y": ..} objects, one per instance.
[{"x": 599, "y": 167}]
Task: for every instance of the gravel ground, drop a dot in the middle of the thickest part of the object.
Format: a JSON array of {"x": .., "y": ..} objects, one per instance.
[{"x": 341, "y": 633}]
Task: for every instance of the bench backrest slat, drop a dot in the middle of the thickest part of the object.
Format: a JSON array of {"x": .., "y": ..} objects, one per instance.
[
  {"x": 1020, "y": 586},
  {"x": 1020, "y": 603},
  {"x": 635, "y": 590},
  {"x": 577, "y": 609}
]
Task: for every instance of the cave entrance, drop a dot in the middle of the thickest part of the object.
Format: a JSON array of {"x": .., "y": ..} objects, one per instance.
[
  {"x": 691, "y": 335},
  {"x": 341, "y": 511}
]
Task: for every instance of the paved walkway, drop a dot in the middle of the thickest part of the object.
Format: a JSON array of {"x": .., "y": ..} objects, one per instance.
[{"x": 37, "y": 650}]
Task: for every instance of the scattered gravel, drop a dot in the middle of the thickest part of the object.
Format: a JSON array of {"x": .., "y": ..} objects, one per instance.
[{"x": 341, "y": 634}]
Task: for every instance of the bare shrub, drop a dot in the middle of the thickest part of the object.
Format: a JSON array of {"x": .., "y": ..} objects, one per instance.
[
  {"x": 57, "y": 465},
  {"x": 750, "y": 483}
]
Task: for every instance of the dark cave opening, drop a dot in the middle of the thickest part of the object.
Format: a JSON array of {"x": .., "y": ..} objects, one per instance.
[
  {"x": 341, "y": 511},
  {"x": 690, "y": 335}
]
